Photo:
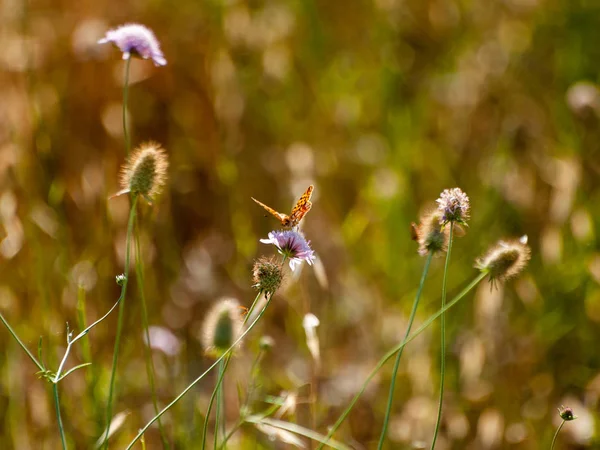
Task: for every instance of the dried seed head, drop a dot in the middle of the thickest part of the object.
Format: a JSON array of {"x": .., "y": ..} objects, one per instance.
[
  {"x": 267, "y": 275},
  {"x": 454, "y": 206},
  {"x": 145, "y": 172},
  {"x": 431, "y": 235},
  {"x": 222, "y": 326},
  {"x": 505, "y": 260}
]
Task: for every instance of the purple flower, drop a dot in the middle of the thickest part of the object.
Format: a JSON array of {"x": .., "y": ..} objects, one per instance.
[
  {"x": 136, "y": 40},
  {"x": 292, "y": 245},
  {"x": 454, "y": 206}
]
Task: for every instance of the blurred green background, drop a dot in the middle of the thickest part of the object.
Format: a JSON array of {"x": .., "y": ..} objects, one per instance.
[{"x": 381, "y": 105}]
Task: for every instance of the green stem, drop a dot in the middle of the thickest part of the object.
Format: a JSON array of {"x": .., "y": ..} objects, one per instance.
[
  {"x": 399, "y": 355},
  {"x": 139, "y": 271},
  {"x": 220, "y": 377},
  {"x": 396, "y": 349},
  {"x": 14, "y": 335},
  {"x": 132, "y": 215},
  {"x": 219, "y": 413},
  {"x": 125, "y": 101},
  {"x": 193, "y": 383},
  {"x": 556, "y": 434},
  {"x": 443, "y": 340},
  {"x": 59, "y": 417}
]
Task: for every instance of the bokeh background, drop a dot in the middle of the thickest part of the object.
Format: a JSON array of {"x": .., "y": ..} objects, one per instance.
[{"x": 381, "y": 105}]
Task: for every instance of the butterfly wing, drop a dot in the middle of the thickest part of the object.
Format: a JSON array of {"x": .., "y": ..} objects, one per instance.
[
  {"x": 283, "y": 218},
  {"x": 302, "y": 207}
]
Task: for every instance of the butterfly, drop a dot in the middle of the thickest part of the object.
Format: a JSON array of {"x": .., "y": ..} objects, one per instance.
[{"x": 298, "y": 212}]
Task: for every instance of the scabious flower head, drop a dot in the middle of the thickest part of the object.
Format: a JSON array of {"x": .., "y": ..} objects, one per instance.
[
  {"x": 222, "y": 327},
  {"x": 267, "y": 275},
  {"x": 145, "y": 172},
  {"x": 454, "y": 206},
  {"x": 566, "y": 413},
  {"x": 505, "y": 260},
  {"x": 431, "y": 235},
  {"x": 292, "y": 245},
  {"x": 136, "y": 40}
]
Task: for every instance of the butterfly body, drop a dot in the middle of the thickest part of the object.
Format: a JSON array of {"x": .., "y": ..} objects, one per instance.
[{"x": 298, "y": 211}]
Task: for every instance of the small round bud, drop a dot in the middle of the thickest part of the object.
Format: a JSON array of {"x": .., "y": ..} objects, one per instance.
[
  {"x": 145, "y": 172},
  {"x": 267, "y": 275},
  {"x": 454, "y": 206},
  {"x": 431, "y": 236},
  {"x": 222, "y": 327},
  {"x": 505, "y": 260},
  {"x": 566, "y": 413},
  {"x": 120, "y": 279},
  {"x": 266, "y": 343}
]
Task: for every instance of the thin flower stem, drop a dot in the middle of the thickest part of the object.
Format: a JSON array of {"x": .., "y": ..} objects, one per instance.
[
  {"x": 222, "y": 375},
  {"x": 396, "y": 349},
  {"x": 193, "y": 383},
  {"x": 125, "y": 101},
  {"x": 219, "y": 414},
  {"x": 59, "y": 417},
  {"x": 443, "y": 339},
  {"x": 132, "y": 215},
  {"x": 556, "y": 434},
  {"x": 139, "y": 273},
  {"x": 399, "y": 355},
  {"x": 14, "y": 335}
]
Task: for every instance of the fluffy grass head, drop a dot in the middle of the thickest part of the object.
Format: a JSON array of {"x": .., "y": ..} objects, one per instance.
[
  {"x": 431, "y": 235},
  {"x": 145, "y": 173},
  {"x": 505, "y": 260},
  {"x": 222, "y": 327}
]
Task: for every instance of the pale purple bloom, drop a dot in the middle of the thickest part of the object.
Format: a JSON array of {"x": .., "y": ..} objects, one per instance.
[
  {"x": 136, "y": 40},
  {"x": 454, "y": 206},
  {"x": 292, "y": 245}
]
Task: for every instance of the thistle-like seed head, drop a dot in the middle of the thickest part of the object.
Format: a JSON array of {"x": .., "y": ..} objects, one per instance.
[
  {"x": 505, "y": 260},
  {"x": 145, "y": 172},
  {"x": 431, "y": 235},
  {"x": 267, "y": 275},
  {"x": 222, "y": 327}
]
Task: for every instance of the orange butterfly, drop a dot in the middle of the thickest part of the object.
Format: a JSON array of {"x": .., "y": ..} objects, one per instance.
[{"x": 298, "y": 212}]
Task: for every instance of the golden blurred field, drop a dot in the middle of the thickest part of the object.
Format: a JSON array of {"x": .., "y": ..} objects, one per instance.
[{"x": 381, "y": 105}]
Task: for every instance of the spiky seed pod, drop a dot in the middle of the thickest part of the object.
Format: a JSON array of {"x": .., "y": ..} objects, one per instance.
[
  {"x": 505, "y": 260},
  {"x": 145, "y": 172},
  {"x": 267, "y": 275},
  {"x": 431, "y": 235},
  {"x": 222, "y": 327}
]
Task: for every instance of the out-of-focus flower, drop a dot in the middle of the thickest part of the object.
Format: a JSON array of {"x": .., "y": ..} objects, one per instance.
[
  {"x": 454, "y": 206},
  {"x": 267, "y": 275},
  {"x": 292, "y": 245},
  {"x": 566, "y": 413},
  {"x": 505, "y": 260},
  {"x": 145, "y": 173},
  {"x": 222, "y": 326},
  {"x": 163, "y": 339},
  {"x": 136, "y": 40}
]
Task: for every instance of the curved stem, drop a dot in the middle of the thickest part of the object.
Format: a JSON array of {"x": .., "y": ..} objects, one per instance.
[
  {"x": 125, "y": 101},
  {"x": 132, "y": 215},
  {"x": 396, "y": 349},
  {"x": 388, "y": 411},
  {"x": 14, "y": 335},
  {"x": 59, "y": 417},
  {"x": 443, "y": 340},
  {"x": 556, "y": 434},
  {"x": 193, "y": 383},
  {"x": 139, "y": 272}
]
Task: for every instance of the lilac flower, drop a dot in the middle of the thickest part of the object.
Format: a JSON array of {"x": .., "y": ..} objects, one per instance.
[
  {"x": 292, "y": 245},
  {"x": 454, "y": 206},
  {"x": 136, "y": 40}
]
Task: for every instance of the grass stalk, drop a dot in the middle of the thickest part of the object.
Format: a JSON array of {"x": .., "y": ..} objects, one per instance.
[
  {"x": 59, "y": 417},
  {"x": 411, "y": 319},
  {"x": 443, "y": 339},
  {"x": 556, "y": 434}
]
